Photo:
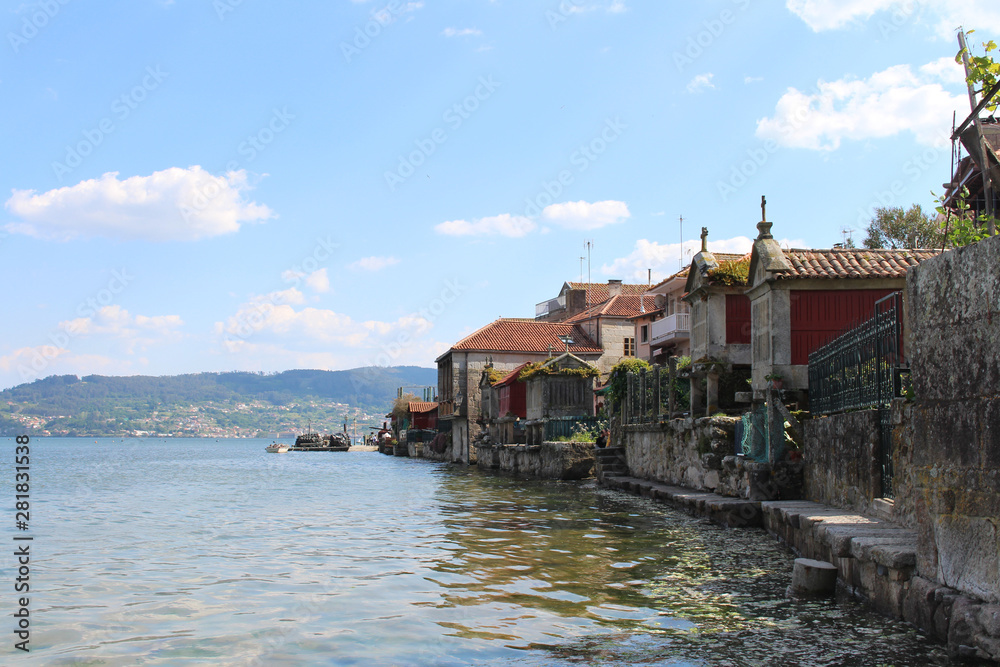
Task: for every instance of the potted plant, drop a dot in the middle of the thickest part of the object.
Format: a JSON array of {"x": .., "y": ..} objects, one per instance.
[{"x": 775, "y": 380}]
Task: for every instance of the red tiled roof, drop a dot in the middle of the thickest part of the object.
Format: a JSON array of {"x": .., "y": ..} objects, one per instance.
[
  {"x": 420, "y": 406},
  {"x": 623, "y": 306},
  {"x": 510, "y": 377},
  {"x": 599, "y": 291},
  {"x": 853, "y": 263},
  {"x": 527, "y": 335},
  {"x": 680, "y": 274}
]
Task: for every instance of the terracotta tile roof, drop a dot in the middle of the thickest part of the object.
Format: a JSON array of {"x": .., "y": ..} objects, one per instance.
[
  {"x": 420, "y": 406},
  {"x": 623, "y": 306},
  {"x": 599, "y": 291},
  {"x": 680, "y": 274},
  {"x": 853, "y": 263},
  {"x": 509, "y": 334}
]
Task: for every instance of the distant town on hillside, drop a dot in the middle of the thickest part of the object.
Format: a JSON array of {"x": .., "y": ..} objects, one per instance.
[{"x": 232, "y": 405}]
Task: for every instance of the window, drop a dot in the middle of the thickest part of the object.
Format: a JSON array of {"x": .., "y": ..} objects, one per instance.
[
  {"x": 644, "y": 333},
  {"x": 630, "y": 347}
]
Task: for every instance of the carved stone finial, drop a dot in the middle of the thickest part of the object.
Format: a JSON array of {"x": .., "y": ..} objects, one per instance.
[
  {"x": 763, "y": 227},
  {"x": 763, "y": 209},
  {"x": 704, "y": 239}
]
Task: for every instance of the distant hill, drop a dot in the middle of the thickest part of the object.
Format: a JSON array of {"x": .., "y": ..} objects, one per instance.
[{"x": 208, "y": 404}]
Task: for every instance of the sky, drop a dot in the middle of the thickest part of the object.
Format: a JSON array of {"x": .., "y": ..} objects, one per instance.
[{"x": 218, "y": 185}]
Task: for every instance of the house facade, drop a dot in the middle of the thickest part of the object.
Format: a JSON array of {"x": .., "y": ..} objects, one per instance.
[
  {"x": 610, "y": 325},
  {"x": 664, "y": 329},
  {"x": 503, "y": 345}
]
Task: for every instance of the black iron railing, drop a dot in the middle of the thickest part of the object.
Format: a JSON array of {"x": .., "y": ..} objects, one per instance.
[{"x": 862, "y": 369}]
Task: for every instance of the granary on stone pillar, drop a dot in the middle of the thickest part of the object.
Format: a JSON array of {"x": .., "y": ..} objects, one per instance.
[
  {"x": 559, "y": 396},
  {"x": 800, "y": 299},
  {"x": 720, "y": 328}
]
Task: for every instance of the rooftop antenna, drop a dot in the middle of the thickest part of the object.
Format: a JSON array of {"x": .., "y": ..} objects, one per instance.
[{"x": 680, "y": 262}]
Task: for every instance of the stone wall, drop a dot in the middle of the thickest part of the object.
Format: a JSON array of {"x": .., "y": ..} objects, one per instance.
[
  {"x": 549, "y": 460},
  {"x": 699, "y": 454},
  {"x": 954, "y": 311},
  {"x": 841, "y": 454}
]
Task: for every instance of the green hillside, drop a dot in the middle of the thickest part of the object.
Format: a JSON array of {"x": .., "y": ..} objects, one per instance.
[{"x": 206, "y": 404}]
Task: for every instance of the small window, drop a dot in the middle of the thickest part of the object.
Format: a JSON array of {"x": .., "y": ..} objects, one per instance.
[
  {"x": 630, "y": 347},
  {"x": 644, "y": 333}
]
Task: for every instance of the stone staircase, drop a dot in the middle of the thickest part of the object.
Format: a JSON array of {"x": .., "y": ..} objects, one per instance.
[{"x": 609, "y": 462}]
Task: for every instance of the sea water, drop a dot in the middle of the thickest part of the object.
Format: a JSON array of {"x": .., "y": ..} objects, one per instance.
[{"x": 204, "y": 551}]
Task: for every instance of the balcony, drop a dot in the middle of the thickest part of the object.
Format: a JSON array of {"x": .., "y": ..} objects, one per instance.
[
  {"x": 669, "y": 329},
  {"x": 552, "y": 305}
]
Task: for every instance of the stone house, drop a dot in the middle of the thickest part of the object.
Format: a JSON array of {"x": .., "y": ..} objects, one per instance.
[
  {"x": 663, "y": 328},
  {"x": 801, "y": 299},
  {"x": 574, "y": 298},
  {"x": 719, "y": 341},
  {"x": 610, "y": 325},
  {"x": 503, "y": 345}
]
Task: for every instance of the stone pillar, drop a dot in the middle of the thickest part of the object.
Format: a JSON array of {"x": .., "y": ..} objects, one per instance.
[
  {"x": 656, "y": 394},
  {"x": 712, "y": 391},
  {"x": 697, "y": 396},
  {"x": 671, "y": 377}
]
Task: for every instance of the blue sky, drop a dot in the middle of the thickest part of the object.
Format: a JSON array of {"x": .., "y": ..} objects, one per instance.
[{"x": 220, "y": 185}]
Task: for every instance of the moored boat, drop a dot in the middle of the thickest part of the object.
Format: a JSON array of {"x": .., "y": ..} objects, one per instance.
[{"x": 277, "y": 448}]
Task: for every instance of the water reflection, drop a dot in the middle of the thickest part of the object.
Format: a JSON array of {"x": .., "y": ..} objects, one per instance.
[{"x": 591, "y": 575}]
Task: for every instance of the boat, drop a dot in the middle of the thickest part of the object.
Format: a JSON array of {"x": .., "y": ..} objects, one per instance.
[
  {"x": 277, "y": 448},
  {"x": 314, "y": 442}
]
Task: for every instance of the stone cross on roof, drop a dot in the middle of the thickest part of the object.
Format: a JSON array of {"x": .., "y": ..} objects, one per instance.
[
  {"x": 764, "y": 227},
  {"x": 704, "y": 239}
]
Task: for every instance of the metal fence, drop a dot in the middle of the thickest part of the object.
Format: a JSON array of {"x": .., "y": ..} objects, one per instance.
[
  {"x": 562, "y": 427},
  {"x": 650, "y": 397},
  {"x": 862, "y": 369}
]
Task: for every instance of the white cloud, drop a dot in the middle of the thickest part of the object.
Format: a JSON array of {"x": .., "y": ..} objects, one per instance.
[
  {"x": 944, "y": 16},
  {"x": 888, "y": 103},
  {"x": 667, "y": 259},
  {"x": 701, "y": 83},
  {"x": 170, "y": 205},
  {"x": 463, "y": 32},
  {"x": 28, "y": 364},
  {"x": 512, "y": 226},
  {"x": 132, "y": 331},
  {"x": 584, "y": 215},
  {"x": 373, "y": 263}
]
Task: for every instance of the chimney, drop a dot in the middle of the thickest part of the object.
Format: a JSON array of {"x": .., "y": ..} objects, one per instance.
[{"x": 614, "y": 288}]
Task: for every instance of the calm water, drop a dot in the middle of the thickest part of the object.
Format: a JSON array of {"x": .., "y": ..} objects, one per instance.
[{"x": 202, "y": 551}]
